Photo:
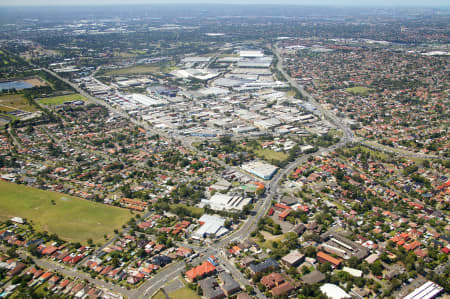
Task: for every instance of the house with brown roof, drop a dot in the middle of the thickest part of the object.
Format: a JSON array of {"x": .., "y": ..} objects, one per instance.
[
  {"x": 243, "y": 296},
  {"x": 246, "y": 261},
  {"x": 283, "y": 289},
  {"x": 272, "y": 280},
  {"x": 17, "y": 269},
  {"x": 323, "y": 258},
  {"x": 200, "y": 271}
]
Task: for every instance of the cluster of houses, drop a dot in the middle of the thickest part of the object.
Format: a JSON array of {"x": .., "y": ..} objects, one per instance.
[
  {"x": 55, "y": 283},
  {"x": 214, "y": 282},
  {"x": 18, "y": 235},
  {"x": 85, "y": 158},
  {"x": 135, "y": 258},
  {"x": 368, "y": 86}
]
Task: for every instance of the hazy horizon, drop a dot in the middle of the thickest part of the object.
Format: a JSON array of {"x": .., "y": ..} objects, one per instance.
[{"x": 348, "y": 3}]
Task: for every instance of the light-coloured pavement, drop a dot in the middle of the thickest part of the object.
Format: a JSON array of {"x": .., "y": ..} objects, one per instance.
[{"x": 152, "y": 285}]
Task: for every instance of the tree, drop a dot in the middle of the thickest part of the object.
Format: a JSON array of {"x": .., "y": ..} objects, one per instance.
[
  {"x": 353, "y": 262},
  {"x": 11, "y": 252},
  {"x": 227, "y": 224},
  {"x": 310, "y": 251},
  {"x": 249, "y": 289},
  {"x": 305, "y": 270},
  {"x": 34, "y": 251},
  {"x": 377, "y": 268},
  {"x": 325, "y": 267}
]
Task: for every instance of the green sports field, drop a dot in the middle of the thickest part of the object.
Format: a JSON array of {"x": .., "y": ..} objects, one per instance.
[
  {"x": 61, "y": 99},
  {"x": 71, "y": 218},
  {"x": 358, "y": 90},
  {"x": 12, "y": 102},
  {"x": 137, "y": 69}
]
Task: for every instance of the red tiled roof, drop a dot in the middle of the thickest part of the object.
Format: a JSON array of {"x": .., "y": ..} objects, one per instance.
[
  {"x": 201, "y": 270},
  {"x": 282, "y": 289},
  {"x": 271, "y": 280},
  {"x": 328, "y": 258},
  {"x": 412, "y": 245},
  {"x": 46, "y": 275},
  {"x": 49, "y": 250},
  {"x": 281, "y": 206},
  {"x": 285, "y": 213}
]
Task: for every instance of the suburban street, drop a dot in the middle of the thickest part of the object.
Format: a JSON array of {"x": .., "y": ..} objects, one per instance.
[
  {"x": 152, "y": 285},
  {"x": 348, "y": 134},
  {"x": 265, "y": 150},
  {"x": 74, "y": 273}
]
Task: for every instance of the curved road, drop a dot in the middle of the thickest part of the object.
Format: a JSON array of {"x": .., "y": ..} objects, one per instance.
[
  {"x": 348, "y": 134},
  {"x": 152, "y": 285}
]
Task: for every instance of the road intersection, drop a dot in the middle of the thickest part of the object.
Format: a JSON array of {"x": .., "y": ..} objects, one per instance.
[{"x": 152, "y": 285}]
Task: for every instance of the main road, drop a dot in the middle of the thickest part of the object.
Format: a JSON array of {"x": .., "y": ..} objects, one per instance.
[
  {"x": 243, "y": 232},
  {"x": 184, "y": 141},
  {"x": 348, "y": 134}
]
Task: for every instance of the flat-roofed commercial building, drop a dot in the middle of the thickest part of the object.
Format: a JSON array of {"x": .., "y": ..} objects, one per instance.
[
  {"x": 251, "y": 53},
  {"x": 211, "y": 226},
  {"x": 426, "y": 291},
  {"x": 260, "y": 169},
  {"x": 333, "y": 291},
  {"x": 146, "y": 100},
  {"x": 221, "y": 202}
]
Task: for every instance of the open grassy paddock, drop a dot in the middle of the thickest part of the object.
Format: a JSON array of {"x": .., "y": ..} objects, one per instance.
[
  {"x": 61, "y": 99},
  {"x": 269, "y": 155},
  {"x": 196, "y": 211},
  {"x": 358, "y": 90},
  {"x": 269, "y": 239},
  {"x": 266, "y": 153},
  {"x": 183, "y": 294},
  {"x": 138, "y": 69},
  {"x": 15, "y": 102},
  {"x": 71, "y": 218}
]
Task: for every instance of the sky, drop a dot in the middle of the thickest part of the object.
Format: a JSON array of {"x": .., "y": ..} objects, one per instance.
[{"x": 428, "y": 3}]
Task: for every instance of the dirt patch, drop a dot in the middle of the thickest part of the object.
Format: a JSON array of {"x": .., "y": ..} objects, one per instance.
[
  {"x": 269, "y": 237},
  {"x": 36, "y": 81},
  {"x": 286, "y": 226}
]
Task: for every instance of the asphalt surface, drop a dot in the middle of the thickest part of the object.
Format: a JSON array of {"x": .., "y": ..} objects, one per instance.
[
  {"x": 152, "y": 285},
  {"x": 74, "y": 273},
  {"x": 348, "y": 134}
]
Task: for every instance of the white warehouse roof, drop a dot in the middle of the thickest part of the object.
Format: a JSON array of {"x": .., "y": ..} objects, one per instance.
[
  {"x": 212, "y": 226},
  {"x": 333, "y": 291},
  {"x": 221, "y": 201},
  {"x": 353, "y": 272},
  {"x": 426, "y": 291},
  {"x": 251, "y": 53},
  {"x": 147, "y": 101},
  {"x": 260, "y": 169}
]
